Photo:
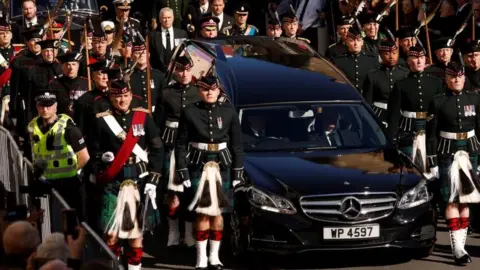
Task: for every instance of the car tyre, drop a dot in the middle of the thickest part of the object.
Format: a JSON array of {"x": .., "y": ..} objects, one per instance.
[
  {"x": 420, "y": 253},
  {"x": 239, "y": 240}
]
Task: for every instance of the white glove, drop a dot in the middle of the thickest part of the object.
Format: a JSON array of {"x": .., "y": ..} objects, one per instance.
[
  {"x": 433, "y": 174},
  {"x": 151, "y": 190},
  {"x": 108, "y": 157},
  {"x": 187, "y": 183},
  {"x": 236, "y": 182}
]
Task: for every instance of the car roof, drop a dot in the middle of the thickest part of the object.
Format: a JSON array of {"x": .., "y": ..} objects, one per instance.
[{"x": 280, "y": 78}]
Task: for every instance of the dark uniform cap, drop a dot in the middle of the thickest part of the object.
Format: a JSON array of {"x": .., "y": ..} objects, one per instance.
[
  {"x": 98, "y": 36},
  {"x": 273, "y": 23},
  {"x": 369, "y": 18},
  {"x": 387, "y": 46},
  {"x": 441, "y": 43},
  {"x": 289, "y": 17},
  {"x": 354, "y": 33},
  {"x": 98, "y": 66},
  {"x": 470, "y": 47},
  {"x": 454, "y": 69},
  {"x": 45, "y": 98},
  {"x": 416, "y": 51},
  {"x": 209, "y": 22},
  {"x": 5, "y": 25},
  {"x": 48, "y": 43},
  {"x": 345, "y": 20},
  {"x": 123, "y": 4},
  {"x": 32, "y": 32},
  {"x": 57, "y": 26},
  {"x": 242, "y": 9},
  {"x": 208, "y": 82},
  {"x": 138, "y": 45},
  {"x": 119, "y": 87},
  {"x": 69, "y": 57},
  {"x": 184, "y": 62},
  {"x": 405, "y": 32}
]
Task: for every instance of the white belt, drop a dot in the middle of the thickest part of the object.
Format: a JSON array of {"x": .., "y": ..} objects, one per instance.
[
  {"x": 457, "y": 136},
  {"x": 380, "y": 105},
  {"x": 415, "y": 115},
  {"x": 171, "y": 124},
  {"x": 209, "y": 146}
]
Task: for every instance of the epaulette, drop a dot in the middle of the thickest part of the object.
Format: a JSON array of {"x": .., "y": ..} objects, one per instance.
[
  {"x": 135, "y": 20},
  {"x": 103, "y": 114},
  {"x": 228, "y": 27},
  {"x": 304, "y": 39},
  {"x": 140, "y": 109}
]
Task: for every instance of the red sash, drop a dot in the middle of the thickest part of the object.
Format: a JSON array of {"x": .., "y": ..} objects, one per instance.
[
  {"x": 125, "y": 150},
  {"x": 5, "y": 77}
]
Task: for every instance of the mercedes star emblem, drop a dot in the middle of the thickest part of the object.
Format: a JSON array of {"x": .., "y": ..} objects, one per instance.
[{"x": 351, "y": 208}]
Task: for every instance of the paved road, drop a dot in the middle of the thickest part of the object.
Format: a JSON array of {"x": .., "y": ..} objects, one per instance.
[{"x": 161, "y": 258}]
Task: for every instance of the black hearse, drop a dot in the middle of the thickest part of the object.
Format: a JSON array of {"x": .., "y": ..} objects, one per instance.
[{"x": 322, "y": 175}]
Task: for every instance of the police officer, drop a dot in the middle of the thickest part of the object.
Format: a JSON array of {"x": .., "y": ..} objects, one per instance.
[
  {"x": 356, "y": 63},
  {"x": 274, "y": 28},
  {"x": 452, "y": 150},
  {"x": 241, "y": 28},
  {"x": 139, "y": 81},
  {"x": 211, "y": 131},
  {"x": 443, "y": 52},
  {"x": 68, "y": 87},
  {"x": 83, "y": 107},
  {"x": 343, "y": 24},
  {"x": 124, "y": 169},
  {"x": 471, "y": 57},
  {"x": 379, "y": 83},
  {"x": 175, "y": 98},
  {"x": 290, "y": 26},
  {"x": 408, "y": 106},
  {"x": 407, "y": 38},
  {"x": 40, "y": 75},
  {"x": 208, "y": 27},
  {"x": 122, "y": 11},
  {"x": 57, "y": 141}
]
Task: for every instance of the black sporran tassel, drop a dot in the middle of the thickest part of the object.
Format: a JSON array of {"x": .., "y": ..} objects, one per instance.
[
  {"x": 205, "y": 199},
  {"x": 467, "y": 187},
  {"x": 177, "y": 180},
  {"x": 222, "y": 198},
  {"x": 475, "y": 180},
  {"x": 419, "y": 160},
  {"x": 127, "y": 221},
  {"x": 140, "y": 209}
]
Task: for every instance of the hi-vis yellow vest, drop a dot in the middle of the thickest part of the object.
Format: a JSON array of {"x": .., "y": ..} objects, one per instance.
[{"x": 62, "y": 160}]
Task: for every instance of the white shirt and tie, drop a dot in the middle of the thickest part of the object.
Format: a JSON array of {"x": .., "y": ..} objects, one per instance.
[
  {"x": 32, "y": 22},
  {"x": 220, "y": 17},
  {"x": 164, "y": 37}
]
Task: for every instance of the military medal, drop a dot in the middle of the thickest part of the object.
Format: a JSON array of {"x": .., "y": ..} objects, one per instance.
[{"x": 219, "y": 122}]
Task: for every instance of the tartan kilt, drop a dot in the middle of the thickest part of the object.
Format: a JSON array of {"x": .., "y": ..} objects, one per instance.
[
  {"x": 109, "y": 203},
  {"x": 195, "y": 175},
  {"x": 444, "y": 165}
]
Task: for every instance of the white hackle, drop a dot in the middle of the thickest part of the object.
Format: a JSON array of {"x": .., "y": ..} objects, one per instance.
[
  {"x": 171, "y": 175},
  {"x": 210, "y": 175},
  {"x": 128, "y": 194},
  {"x": 419, "y": 144},
  {"x": 461, "y": 161}
]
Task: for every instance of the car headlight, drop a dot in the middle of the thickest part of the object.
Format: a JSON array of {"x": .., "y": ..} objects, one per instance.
[
  {"x": 415, "y": 196},
  {"x": 271, "y": 202}
]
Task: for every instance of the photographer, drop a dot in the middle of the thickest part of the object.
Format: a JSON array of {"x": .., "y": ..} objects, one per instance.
[{"x": 57, "y": 146}]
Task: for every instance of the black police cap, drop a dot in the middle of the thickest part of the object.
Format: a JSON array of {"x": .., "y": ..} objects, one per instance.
[
  {"x": 242, "y": 9},
  {"x": 45, "y": 98}
]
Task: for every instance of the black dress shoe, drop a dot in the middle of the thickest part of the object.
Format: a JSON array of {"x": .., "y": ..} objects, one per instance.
[
  {"x": 216, "y": 267},
  {"x": 462, "y": 260}
]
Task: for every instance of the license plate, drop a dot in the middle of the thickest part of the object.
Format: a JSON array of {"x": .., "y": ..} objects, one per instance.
[{"x": 357, "y": 232}]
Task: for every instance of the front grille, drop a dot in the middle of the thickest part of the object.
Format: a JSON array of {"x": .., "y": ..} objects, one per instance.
[{"x": 364, "y": 207}]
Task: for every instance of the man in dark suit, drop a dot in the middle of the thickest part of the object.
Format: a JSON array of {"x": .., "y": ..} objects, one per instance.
[
  {"x": 195, "y": 11},
  {"x": 29, "y": 19},
  {"x": 179, "y": 8},
  {"x": 164, "y": 40},
  {"x": 217, "y": 8}
]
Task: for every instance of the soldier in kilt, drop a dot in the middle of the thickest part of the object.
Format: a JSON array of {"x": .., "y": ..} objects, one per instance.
[
  {"x": 209, "y": 155},
  {"x": 452, "y": 148},
  {"x": 175, "y": 97}
]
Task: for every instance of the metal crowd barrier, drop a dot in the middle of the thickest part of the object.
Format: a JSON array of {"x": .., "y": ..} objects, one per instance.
[{"x": 16, "y": 171}]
